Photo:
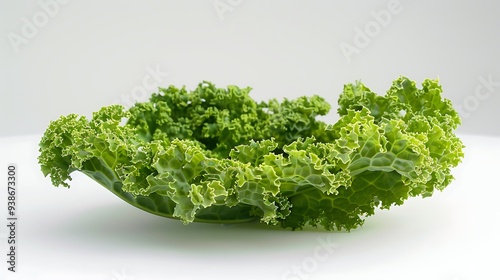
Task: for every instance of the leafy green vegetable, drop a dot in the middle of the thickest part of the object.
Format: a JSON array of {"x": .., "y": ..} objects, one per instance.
[{"x": 216, "y": 155}]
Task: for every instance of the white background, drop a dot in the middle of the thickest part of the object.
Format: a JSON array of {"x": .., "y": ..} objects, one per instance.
[
  {"x": 92, "y": 53},
  {"x": 77, "y": 56}
]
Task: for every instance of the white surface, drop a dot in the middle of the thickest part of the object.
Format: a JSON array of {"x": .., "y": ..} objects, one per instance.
[
  {"x": 91, "y": 53},
  {"x": 88, "y": 233}
]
